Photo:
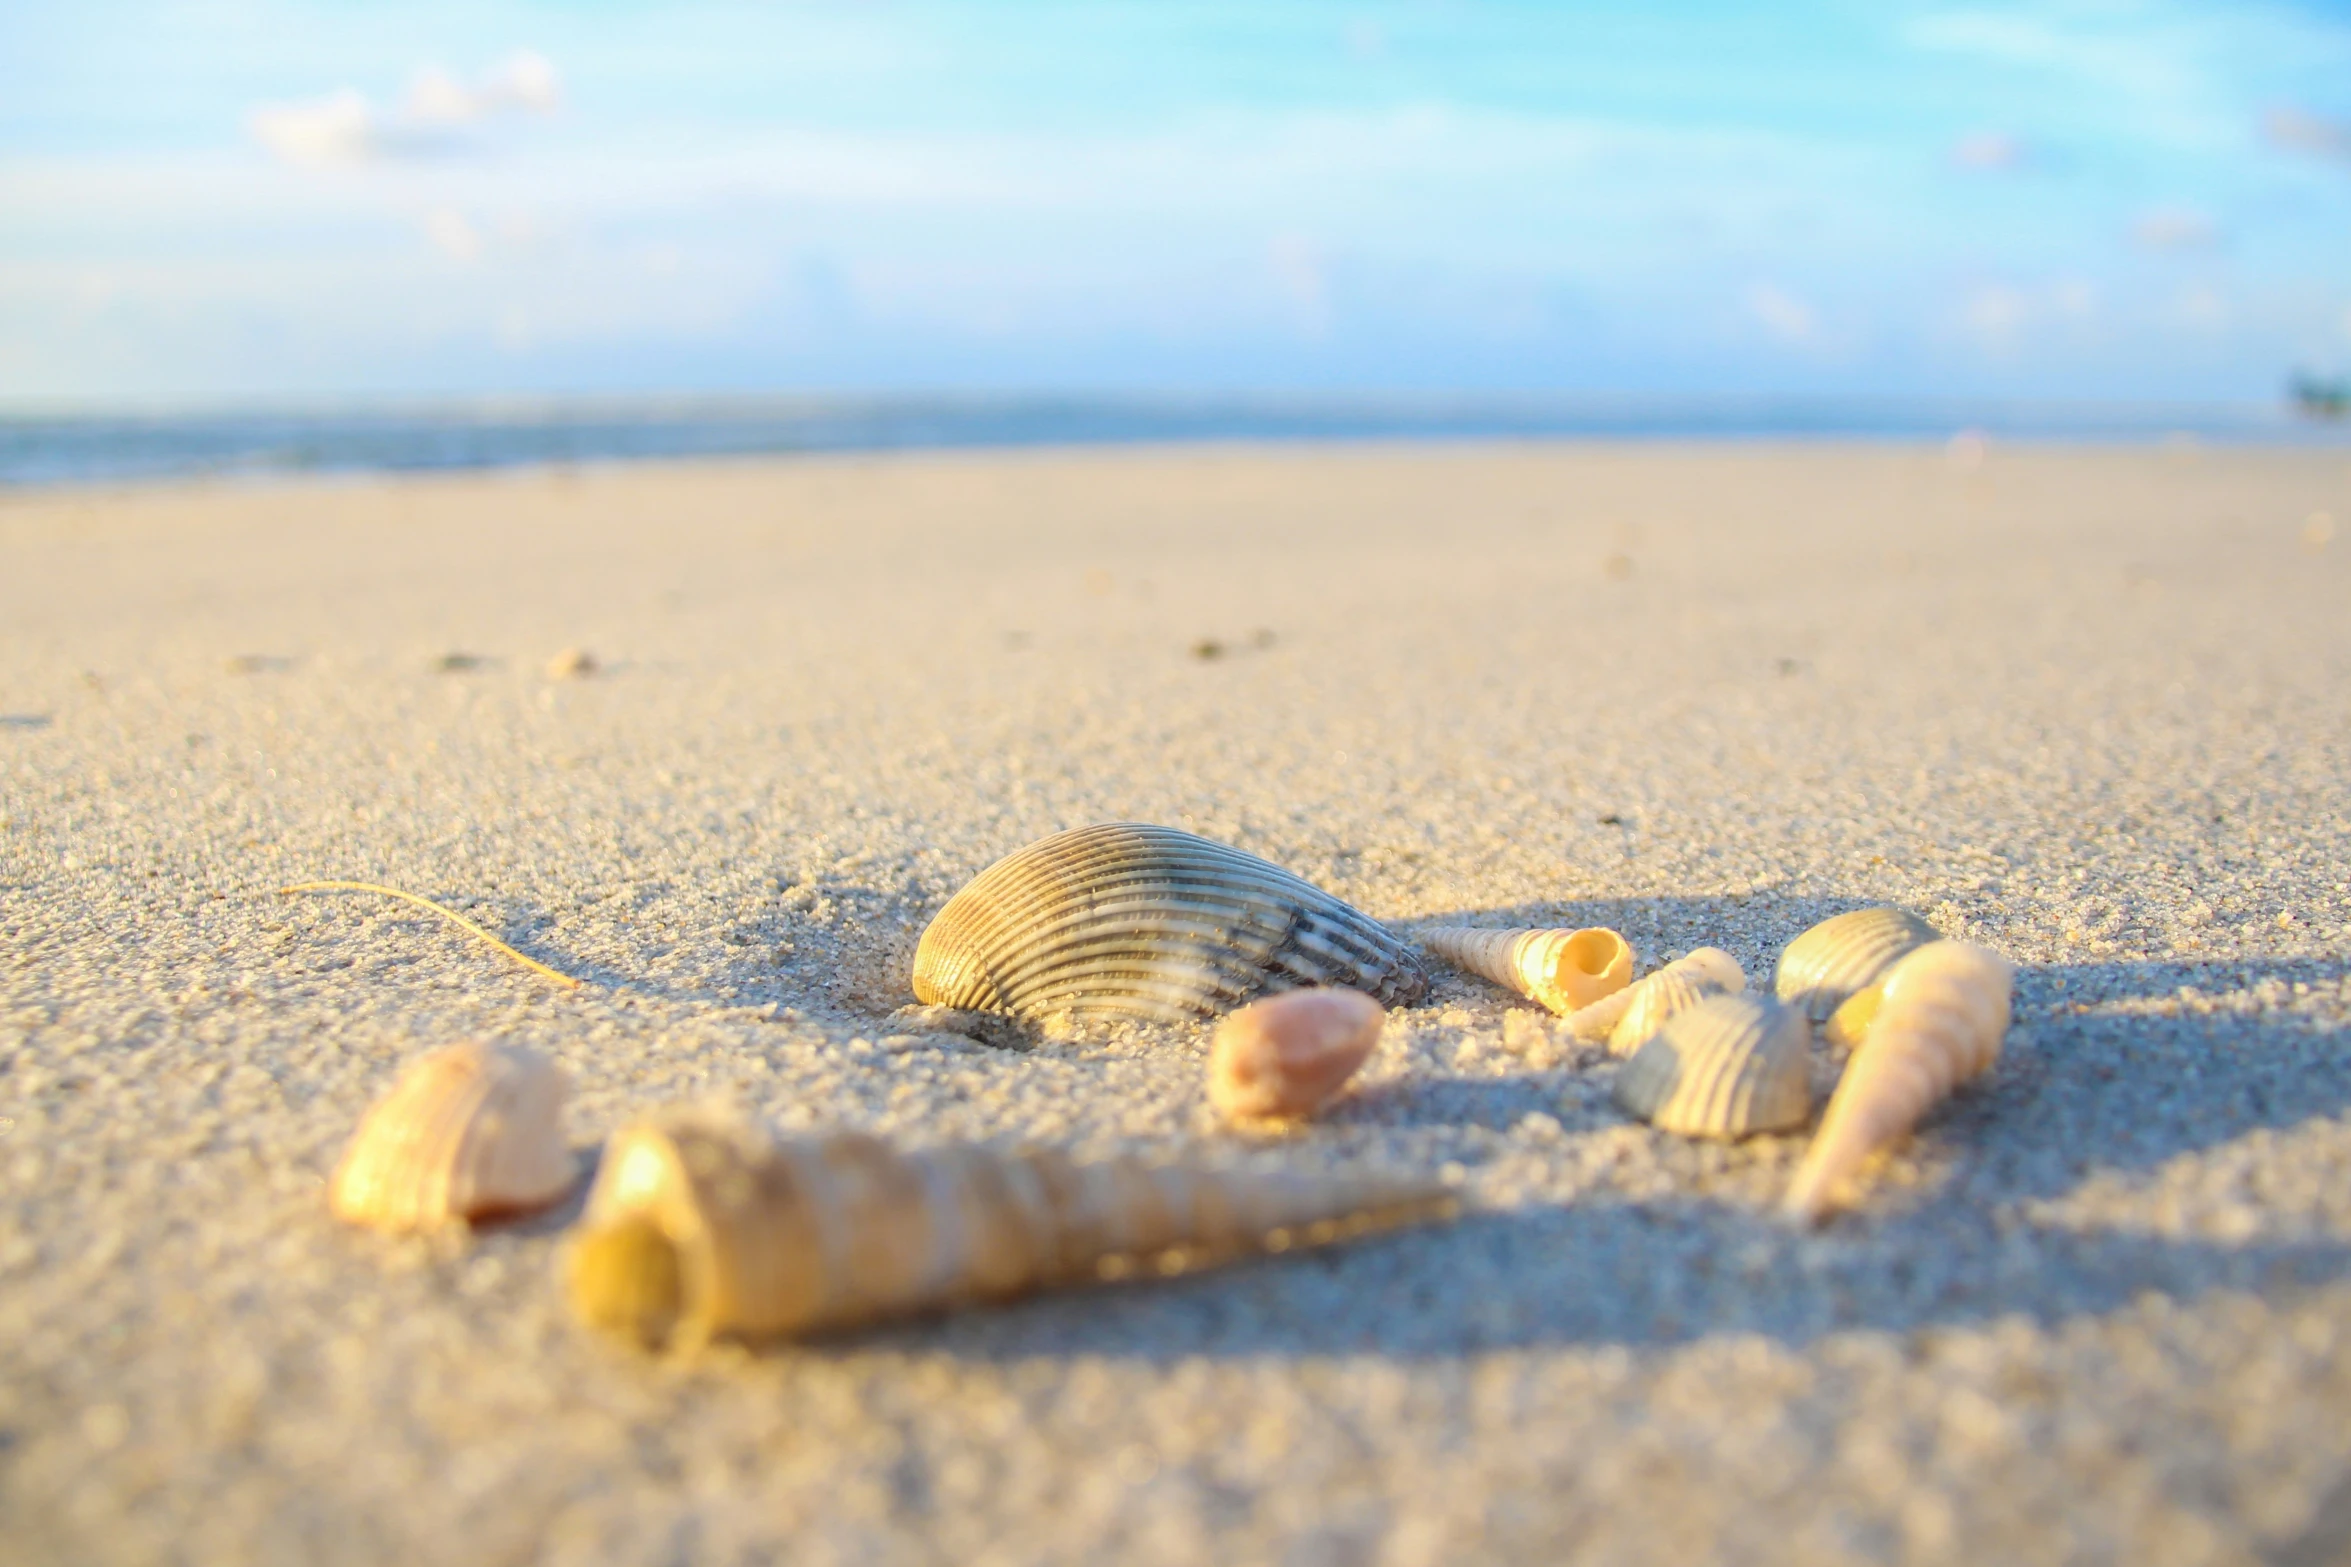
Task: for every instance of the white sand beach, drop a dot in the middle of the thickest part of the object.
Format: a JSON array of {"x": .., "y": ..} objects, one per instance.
[{"x": 2090, "y": 708}]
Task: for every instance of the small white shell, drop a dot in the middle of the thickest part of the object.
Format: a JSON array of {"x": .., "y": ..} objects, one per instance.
[
  {"x": 1565, "y": 970},
  {"x": 469, "y": 1132},
  {"x": 1822, "y": 969},
  {"x": 1627, "y": 1018},
  {"x": 1284, "y": 1056},
  {"x": 1726, "y": 1067}
]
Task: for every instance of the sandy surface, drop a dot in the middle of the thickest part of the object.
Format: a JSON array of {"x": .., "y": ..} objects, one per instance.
[{"x": 2092, "y": 709}]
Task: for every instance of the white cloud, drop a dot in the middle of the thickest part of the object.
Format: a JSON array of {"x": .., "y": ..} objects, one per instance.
[
  {"x": 1991, "y": 151},
  {"x": 2175, "y": 229},
  {"x": 2305, "y": 132},
  {"x": 452, "y": 234},
  {"x": 344, "y": 128},
  {"x": 339, "y": 128},
  {"x": 525, "y": 83},
  {"x": 1782, "y": 314}
]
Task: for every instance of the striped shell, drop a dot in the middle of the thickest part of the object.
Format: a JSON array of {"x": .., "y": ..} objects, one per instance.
[
  {"x": 1564, "y": 970},
  {"x": 1627, "y": 1018},
  {"x": 1822, "y": 969},
  {"x": 700, "y": 1229},
  {"x": 1130, "y": 920},
  {"x": 469, "y": 1132},
  {"x": 1724, "y": 1068}
]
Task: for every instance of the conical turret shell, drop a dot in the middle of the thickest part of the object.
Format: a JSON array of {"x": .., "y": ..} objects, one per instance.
[
  {"x": 1939, "y": 1022},
  {"x": 700, "y": 1228},
  {"x": 1131, "y": 920},
  {"x": 1821, "y": 969},
  {"x": 1726, "y": 1067},
  {"x": 1627, "y": 1018},
  {"x": 1565, "y": 970},
  {"x": 469, "y": 1132}
]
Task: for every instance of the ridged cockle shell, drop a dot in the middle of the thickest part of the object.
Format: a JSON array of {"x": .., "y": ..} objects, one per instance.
[
  {"x": 1821, "y": 969},
  {"x": 1627, "y": 1018},
  {"x": 1283, "y": 1056},
  {"x": 469, "y": 1132},
  {"x": 1565, "y": 970},
  {"x": 1131, "y": 920},
  {"x": 1939, "y": 1021},
  {"x": 700, "y": 1228},
  {"x": 1726, "y": 1067}
]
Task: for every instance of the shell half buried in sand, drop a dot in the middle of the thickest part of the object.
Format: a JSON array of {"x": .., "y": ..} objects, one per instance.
[
  {"x": 1729, "y": 1066},
  {"x": 1822, "y": 969},
  {"x": 470, "y": 1132},
  {"x": 702, "y": 1228},
  {"x": 1627, "y": 1018},
  {"x": 1285, "y": 1056},
  {"x": 1125, "y": 919},
  {"x": 1564, "y": 970}
]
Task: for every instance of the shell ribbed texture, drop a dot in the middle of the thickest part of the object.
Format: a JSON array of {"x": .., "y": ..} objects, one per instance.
[
  {"x": 773, "y": 1238},
  {"x": 1627, "y": 1018},
  {"x": 1128, "y": 919},
  {"x": 1941, "y": 1022},
  {"x": 1823, "y": 968},
  {"x": 1729, "y": 1066},
  {"x": 467, "y": 1132},
  {"x": 1564, "y": 970}
]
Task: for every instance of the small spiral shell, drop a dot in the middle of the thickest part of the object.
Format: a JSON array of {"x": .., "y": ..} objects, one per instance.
[
  {"x": 1627, "y": 1018},
  {"x": 1564, "y": 970},
  {"x": 472, "y": 1131}
]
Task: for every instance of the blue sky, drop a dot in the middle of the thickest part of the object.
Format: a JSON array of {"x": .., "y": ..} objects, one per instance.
[{"x": 274, "y": 199}]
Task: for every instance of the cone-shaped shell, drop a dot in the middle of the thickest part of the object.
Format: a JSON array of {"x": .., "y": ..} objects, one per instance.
[
  {"x": 1627, "y": 1018},
  {"x": 1284, "y": 1056},
  {"x": 1565, "y": 970},
  {"x": 699, "y": 1228},
  {"x": 1726, "y": 1067},
  {"x": 469, "y": 1132},
  {"x": 1824, "y": 967},
  {"x": 1131, "y": 920},
  {"x": 1939, "y": 1022}
]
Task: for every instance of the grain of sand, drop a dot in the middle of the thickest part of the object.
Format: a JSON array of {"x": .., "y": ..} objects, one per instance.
[{"x": 2086, "y": 707}]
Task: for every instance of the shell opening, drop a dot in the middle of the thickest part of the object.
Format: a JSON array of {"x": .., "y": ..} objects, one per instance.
[
  {"x": 625, "y": 1279},
  {"x": 1589, "y": 953}
]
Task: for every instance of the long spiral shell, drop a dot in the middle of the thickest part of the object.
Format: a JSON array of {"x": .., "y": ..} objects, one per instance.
[
  {"x": 1565, "y": 970},
  {"x": 1126, "y": 919},
  {"x": 701, "y": 1228},
  {"x": 1822, "y": 968},
  {"x": 1726, "y": 1067},
  {"x": 1627, "y": 1018},
  {"x": 1941, "y": 1020},
  {"x": 468, "y": 1132}
]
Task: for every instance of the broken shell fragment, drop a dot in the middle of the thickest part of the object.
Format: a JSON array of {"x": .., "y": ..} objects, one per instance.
[
  {"x": 1565, "y": 970},
  {"x": 470, "y": 1132},
  {"x": 1822, "y": 969},
  {"x": 1125, "y": 919},
  {"x": 1729, "y": 1066},
  {"x": 1940, "y": 1021},
  {"x": 700, "y": 1228},
  {"x": 1284, "y": 1056},
  {"x": 1627, "y": 1018}
]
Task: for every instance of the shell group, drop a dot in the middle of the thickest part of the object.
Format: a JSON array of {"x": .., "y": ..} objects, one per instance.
[
  {"x": 1282, "y": 1057},
  {"x": 699, "y": 1228},
  {"x": 1627, "y": 1018},
  {"x": 1825, "y": 966},
  {"x": 1941, "y": 1019},
  {"x": 1727, "y": 1067},
  {"x": 1564, "y": 970},
  {"x": 469, "y": 1132},
  {"x": 1126, "y": 919}
]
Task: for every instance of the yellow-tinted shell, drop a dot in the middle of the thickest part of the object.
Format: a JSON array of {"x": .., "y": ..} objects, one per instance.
[
  {"x": 1823, "y": 968},
  {"x": 1939, "y": 1022},
  {"x": 468, "y": 1132},
  {"x": 1564, "y": 970},
  {"x": 1627, "y": 1018},
  {"x": 1729, "y": 1066},
  {"x": 1284, "y": 1056},
  {"x": 698, "y": 1228}
]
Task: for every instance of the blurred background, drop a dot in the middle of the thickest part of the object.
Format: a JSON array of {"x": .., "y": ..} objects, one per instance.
[{"x": 296, "y": 227}]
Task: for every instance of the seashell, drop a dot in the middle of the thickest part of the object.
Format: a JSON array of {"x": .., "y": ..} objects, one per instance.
[
  {"x": 1821, "y": 969},
  {"x": 1940, "y": 1021},
  {"x": 1129, "y": 920},
  {"x": 1726, "y": 1067},
  {"x": 469, "y": 1132},
  {"x": 1565, "y": 970},
  {"x": 1627, "y": 1018},
  {"x": 699, "y": 1228},
  {"x": 1283, "y": 1056}
]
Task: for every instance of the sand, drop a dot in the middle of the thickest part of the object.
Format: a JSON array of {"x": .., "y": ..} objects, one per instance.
[{"x": 2086, "y": 707}]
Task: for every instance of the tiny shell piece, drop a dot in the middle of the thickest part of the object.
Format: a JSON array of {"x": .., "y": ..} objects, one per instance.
[
  {"x": 473, "y": 1131},
  {"x": 1939, "y": 1022},
  {"x": 1627, "y": 1018},
  {"x": 1726, "y": 1067},
  {"x": 1283, "y": 1056},
  {"x": 700, "y": 1228},
  {"x": 1565, "y": 970},
  {"x": 1823, "y": 968},
  {"x": 1127, "y": 919}
]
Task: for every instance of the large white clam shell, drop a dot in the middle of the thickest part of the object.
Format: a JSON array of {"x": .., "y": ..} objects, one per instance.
[
  {"x": 1126, "y": 919},
  {"x": 1723, "y": 1068}
]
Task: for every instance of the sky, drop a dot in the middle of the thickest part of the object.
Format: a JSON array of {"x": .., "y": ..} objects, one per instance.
[{"x": 240, "y": 200}]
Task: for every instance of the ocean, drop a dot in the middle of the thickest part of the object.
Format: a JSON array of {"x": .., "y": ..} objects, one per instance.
[{"x": 47, "y": 449}]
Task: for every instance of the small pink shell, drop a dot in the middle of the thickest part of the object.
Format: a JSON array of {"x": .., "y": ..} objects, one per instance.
[{"x": 1284, "y": 1056}]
